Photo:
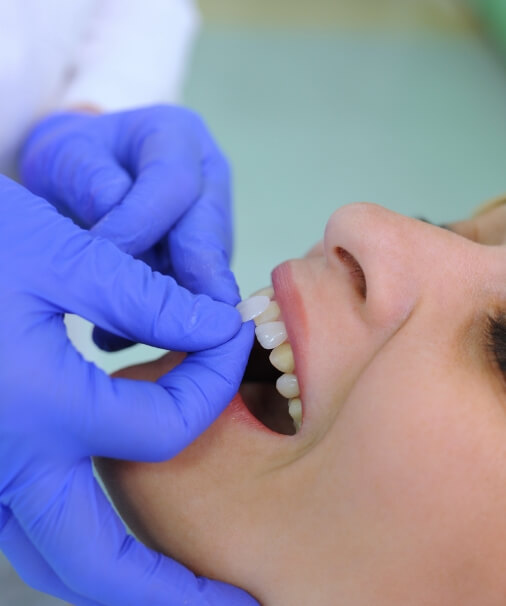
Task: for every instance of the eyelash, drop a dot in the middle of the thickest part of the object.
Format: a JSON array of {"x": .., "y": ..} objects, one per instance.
[{"x": 496, "y": 341}]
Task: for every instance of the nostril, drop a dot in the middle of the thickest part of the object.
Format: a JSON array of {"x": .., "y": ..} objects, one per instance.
[{"x": 354, "y": 268}]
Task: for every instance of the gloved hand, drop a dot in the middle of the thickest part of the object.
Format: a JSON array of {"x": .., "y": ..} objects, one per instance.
[
  {"x": 56, "y": 526},
  {"x": 133, "y": 176}
]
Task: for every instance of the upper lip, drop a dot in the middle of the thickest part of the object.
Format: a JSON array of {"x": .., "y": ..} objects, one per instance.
[{"x": 289, "y": 299}]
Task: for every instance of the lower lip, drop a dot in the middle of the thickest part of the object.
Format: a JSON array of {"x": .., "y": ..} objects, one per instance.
[{"x": 237, "y": 411}]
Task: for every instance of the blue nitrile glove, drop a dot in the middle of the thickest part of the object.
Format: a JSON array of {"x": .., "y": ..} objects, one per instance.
[
  {"x": 133, "y": 176},
  {"x": 56, "y": 410}
]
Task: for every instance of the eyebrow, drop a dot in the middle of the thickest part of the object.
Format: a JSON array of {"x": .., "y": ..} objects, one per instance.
[{"x": 441, "y": 225}]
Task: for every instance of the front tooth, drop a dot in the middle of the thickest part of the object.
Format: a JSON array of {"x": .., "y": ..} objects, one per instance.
[
  {"x": 252, "y": 307},
  {"x": 268, "y": 291},
  {"x": 271, "y": 314},
  {"x": 295, "y": 411},
  {"x": 282, "y": 358},
  {"x": 288, "y": 386},
  {"x": 271, "y": 334}
]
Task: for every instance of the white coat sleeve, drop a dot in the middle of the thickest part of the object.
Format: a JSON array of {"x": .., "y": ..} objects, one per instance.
[{"x": 133, "y": 53}]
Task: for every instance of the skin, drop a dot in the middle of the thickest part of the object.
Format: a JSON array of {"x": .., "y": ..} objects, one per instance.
[{"x": 394, "y": 490}]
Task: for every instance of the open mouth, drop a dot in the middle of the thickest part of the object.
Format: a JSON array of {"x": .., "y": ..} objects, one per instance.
[
  {"x": 270, "y": 388},
  {"x": 263, "y": 400}
]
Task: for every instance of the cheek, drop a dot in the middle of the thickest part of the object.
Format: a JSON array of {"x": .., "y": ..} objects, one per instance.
[{"x": 422, "y": 460}]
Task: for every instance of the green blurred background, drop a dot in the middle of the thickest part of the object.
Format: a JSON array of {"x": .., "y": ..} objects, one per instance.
[
  {"x": 491, "y": 14},
  {"x": 321, "y": 103}
]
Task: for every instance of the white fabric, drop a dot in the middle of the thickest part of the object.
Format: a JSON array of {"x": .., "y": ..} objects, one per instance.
[{"x": 114, "y": 54}]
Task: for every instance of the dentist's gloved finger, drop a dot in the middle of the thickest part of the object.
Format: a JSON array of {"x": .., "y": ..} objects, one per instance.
[
  {"x": 201, "y": 242},
  {"x": 107, "y": 341},
  {"x": 158, "y": 259},
  {"x": 86, "y": 544},
  {"x": 167, "y": 182},
  {"x": 31, "y": 566},
  {"x": 78, "y": 177},
  {"x": 142, "y": 421},
  {"x": 123, "y": 295}
]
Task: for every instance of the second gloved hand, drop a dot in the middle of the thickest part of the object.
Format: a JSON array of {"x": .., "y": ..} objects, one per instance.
[{"x": 152, "y": 180}]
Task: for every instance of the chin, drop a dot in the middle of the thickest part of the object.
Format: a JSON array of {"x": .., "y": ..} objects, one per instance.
[{"x": 199, "y": 507}]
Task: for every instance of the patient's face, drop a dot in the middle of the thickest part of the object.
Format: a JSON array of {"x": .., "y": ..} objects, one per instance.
[{"x": 394, "y": 490}]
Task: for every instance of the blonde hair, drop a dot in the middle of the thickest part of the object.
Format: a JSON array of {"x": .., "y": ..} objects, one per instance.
[{"x": 485, "y": 207}]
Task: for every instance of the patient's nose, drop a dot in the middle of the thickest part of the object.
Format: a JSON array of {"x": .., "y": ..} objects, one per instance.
[{"x": 393, "y": 252}]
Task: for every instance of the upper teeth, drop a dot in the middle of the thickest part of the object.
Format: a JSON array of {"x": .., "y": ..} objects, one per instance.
[
  {"x": 272, "y": 312},
  {"x": 268, "y": 291},
  {"x": 281, "y": 357},
  {"x": 253, "y": 307},
  {"x": 271, "y": 334},
  {"x": 295, "y": 410},
  {"x": 288, "y": 386}
]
